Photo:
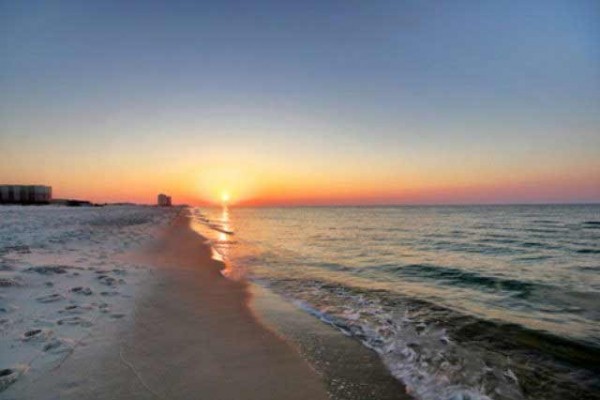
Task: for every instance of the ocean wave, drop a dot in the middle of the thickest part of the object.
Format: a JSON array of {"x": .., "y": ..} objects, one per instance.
[
  {"x": 423, "y": 357},
  {"x": 545, "y": 222},
  {"x": 587, "y": 251},
  {"x": 443, "y": 354},
  {"x": 215, "y": 225},
  {"x": 589, "y": 267},
  {"x": 472, "y": 248},
  {"x": 499, "y": 240},
  {"x": 534, "y": 293},
  {"x": 532, "y": 258},
  {"x": 460, "y": 276},
  {"x": 543, "y": 230}
]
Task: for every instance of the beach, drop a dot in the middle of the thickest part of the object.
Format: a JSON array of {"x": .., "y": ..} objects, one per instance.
[
  {"x": 374, "y": 200},
  {"x": 361, "y": 303},
  {"x": 188, "y": 332}
]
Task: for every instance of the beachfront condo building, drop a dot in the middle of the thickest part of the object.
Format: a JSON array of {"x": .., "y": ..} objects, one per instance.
[
  {"x": 25, "y": 194},
  {"x": 164, "y": 200}
]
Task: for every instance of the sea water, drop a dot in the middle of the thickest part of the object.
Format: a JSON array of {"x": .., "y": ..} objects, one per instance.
[{"x": 461, "y": 302}]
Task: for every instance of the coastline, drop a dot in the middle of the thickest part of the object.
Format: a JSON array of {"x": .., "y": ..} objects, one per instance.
[
  {"x": 196, "y": 334},
  {"x": 191, "y": 336},
  {"x": 349, "y": 370}
]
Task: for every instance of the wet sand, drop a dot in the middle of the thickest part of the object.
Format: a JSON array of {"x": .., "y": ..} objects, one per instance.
[{"x": 194, "y": 336}]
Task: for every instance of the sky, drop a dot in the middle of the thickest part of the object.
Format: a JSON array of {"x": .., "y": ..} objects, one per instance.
[{"x": 303, "y": 102}]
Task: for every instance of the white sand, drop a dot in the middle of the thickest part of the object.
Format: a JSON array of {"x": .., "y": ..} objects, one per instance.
[{"x": 64, "y": 277}]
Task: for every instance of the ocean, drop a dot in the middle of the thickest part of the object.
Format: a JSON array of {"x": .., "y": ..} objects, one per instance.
[{"x": 460, "y": 302}]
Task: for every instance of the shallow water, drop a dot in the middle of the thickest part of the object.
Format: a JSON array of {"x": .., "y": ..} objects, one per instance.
[{"x": 461, "y": 302}]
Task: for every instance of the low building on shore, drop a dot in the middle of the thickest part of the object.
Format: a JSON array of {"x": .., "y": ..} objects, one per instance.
[
  {"x": 73, "y": 203},
  {"x": 25, "y": 194},
  {"x": 164, "y": 200}
]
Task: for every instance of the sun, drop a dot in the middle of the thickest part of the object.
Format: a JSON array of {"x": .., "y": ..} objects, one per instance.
[{"x": 225, "y": 197}]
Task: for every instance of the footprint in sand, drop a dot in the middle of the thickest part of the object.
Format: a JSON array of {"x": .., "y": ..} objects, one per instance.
[
  {"x": 50, "y": 298},
  {"x": 85, "y": 291},
  {"x": 75, "y": 309},
  {"x": 9, "y": 282},
  {"x": 36, "y": 335},
  {"x": 58, "y": 345},
  {"x": 74, "y": 321},
  {"x": 110, "y": 281},
  {"x": 110, "y": 294},
  {"x": 8, "y": 376},
  {"x": 49, "y": 269}
]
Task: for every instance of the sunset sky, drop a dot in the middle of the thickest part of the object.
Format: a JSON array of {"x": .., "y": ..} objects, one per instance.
[{"x": 303, "y": 102}]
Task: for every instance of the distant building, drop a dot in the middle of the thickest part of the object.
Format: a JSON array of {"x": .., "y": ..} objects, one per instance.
[
  {"x": 164, "y": 200},
  {"x": 73, "y": 203},
  {"x": 25, "y": 194}
]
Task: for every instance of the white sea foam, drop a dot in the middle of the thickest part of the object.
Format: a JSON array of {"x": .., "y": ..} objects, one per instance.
[
  {"x": 420, "y": 355},
  {"x": 64, "y": 276}
]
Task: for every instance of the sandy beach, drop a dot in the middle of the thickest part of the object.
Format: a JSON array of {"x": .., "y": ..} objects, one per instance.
[
  {"x": 192, "y": 337},
  {"x": 133, "y": 303},
  {"x": 192, "y": 334}
]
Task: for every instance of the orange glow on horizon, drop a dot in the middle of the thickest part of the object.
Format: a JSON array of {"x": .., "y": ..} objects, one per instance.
[{"x": 241, "y": 181}]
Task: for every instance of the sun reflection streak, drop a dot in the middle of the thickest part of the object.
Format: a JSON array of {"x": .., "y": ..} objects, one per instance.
[
  {"x": 225, "y": 241},
  {"x": 225, "y": 225}
]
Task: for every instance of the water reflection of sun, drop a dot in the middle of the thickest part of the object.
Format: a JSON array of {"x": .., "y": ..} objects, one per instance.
[
  {"x": 224, "y": 224},
  {"x": 225, "y": 241}
]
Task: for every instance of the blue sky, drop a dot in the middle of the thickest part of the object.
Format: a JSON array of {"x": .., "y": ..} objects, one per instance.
[{"x": 499, "y": 86}]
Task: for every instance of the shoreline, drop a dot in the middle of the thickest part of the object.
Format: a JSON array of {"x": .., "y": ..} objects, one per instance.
[
  {"x": 349, "y": 369},
  {"x": 204, "y": 339},
  {"x": 191, "y": 336},
  {"x": 195, "y": 334}
]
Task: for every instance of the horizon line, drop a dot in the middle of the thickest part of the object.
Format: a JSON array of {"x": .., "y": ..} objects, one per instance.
[{"x": 582, "y": 203}]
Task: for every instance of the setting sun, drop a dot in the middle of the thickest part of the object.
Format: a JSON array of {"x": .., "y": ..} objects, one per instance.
[{"x": 225, "y": 197}]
